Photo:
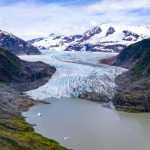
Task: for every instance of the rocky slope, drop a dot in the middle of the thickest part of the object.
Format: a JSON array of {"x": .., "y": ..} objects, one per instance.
[
  {"x": 133, "y": 93},
  {"x": 104, "y": 37},
  {"x": 16, "y": 45}
]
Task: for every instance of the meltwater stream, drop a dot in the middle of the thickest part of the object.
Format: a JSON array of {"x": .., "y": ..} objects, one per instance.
[{"x": 86, "y": 125}]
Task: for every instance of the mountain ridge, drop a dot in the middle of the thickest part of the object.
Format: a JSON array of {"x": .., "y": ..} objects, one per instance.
[
  {"x": 16, "y": 45},
  {"x": 104, "y": 37}
]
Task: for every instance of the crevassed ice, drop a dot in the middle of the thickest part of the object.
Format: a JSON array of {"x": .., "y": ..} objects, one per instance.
[{"x": 77, "y": 72}]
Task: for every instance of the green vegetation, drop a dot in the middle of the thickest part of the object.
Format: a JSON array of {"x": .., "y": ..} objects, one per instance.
[
  {"x": 16, "y": 134},
  {"x": 134, "y": 51},
  {"x": 134, "y": 95},
  {"x": 142, "y": 67},
  {"x": 9, "y": 65},
  {"x": 137, "y": 57},
  {"x": 3, "y": 84},
  {"x": 138, "y": 70},
  {"x": 146, "y": 82}
]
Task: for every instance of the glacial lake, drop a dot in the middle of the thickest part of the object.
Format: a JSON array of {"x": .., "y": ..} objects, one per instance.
[{"x": 85, "y": 125}]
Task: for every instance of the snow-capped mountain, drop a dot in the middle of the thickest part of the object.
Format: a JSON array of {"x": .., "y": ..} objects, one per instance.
[
  {"x": 16, "y": 45},
  {"x": 104, "y": 37}
]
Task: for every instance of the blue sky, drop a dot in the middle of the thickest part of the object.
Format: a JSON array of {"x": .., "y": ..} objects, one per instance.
[
  {"x": 35, "y": 18},
  {"x": 76, "y": 2}
]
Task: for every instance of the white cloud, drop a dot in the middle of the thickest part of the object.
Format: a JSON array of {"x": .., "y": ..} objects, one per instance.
[
  {"x": 29, "y": 20},
  {"x": 2, "y": 23},
  {"x": 106, "y": 5}
]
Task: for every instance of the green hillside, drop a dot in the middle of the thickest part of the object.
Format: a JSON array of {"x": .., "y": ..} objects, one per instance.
[
  {"x": 134, "y": 51},
  {"x": 9, "y": 65},
  {"x": 133, "y": 92}
]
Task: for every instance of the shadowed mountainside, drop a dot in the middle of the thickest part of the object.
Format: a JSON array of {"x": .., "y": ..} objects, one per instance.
[{"x": 13, "y": 69}]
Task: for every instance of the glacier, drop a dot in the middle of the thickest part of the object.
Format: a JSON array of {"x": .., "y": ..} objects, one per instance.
[{"x": 76, "y": 73}]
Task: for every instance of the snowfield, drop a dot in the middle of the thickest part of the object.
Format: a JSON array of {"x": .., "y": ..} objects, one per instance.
[{"x": 76, "y": 73}]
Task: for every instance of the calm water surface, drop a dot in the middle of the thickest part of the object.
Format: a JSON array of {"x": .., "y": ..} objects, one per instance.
[{"x": 90, "y": 126}]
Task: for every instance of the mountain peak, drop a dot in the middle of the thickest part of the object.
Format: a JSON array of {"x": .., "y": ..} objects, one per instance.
[
  {"x": 16, "y": 45},
  {"x": 104, "y": 37}
]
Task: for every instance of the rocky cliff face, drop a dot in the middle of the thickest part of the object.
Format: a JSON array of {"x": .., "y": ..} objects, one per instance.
[
  {"x": 16, "y": 45},
  {"x": 133, "y": 93}
]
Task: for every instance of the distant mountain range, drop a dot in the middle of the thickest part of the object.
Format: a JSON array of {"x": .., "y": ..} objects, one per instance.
[
  {"x": 104, "y": 37},
  {"x": 16, "y": 45}
]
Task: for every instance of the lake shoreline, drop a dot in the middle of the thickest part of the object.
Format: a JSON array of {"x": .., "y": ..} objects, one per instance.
[
  {"x": 76, "y": 118},
  {"x": 13, "y": 103}
]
